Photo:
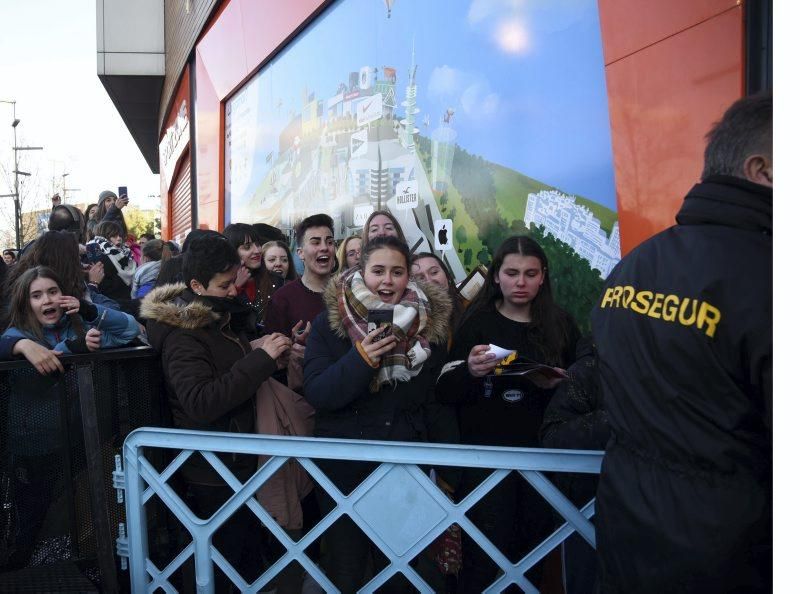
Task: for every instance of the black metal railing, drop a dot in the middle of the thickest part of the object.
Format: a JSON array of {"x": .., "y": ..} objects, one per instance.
[{"x": 59, "y": 436}]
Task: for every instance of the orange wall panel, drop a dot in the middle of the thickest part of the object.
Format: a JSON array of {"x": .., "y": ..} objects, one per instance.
[
  {"x": 630, "y": 25},
  {"x": 240, "y": 37},
  {"x": 208, "y": 115},
  {"x": 222, "y": 50},
  {"x": 266, "y": 25},
  {"x": 662, "y": 101}
]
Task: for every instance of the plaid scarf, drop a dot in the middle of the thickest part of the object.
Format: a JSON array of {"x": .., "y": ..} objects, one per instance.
[
  {"x": 409, "y": 320},
  {"x": 120, "y": 257}
]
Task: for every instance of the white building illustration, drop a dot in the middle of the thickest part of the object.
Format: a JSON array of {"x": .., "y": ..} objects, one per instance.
[{"x": 575, "y": 225}]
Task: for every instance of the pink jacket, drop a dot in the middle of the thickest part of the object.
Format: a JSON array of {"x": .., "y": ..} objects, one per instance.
[{"x": 280, "y": 411}]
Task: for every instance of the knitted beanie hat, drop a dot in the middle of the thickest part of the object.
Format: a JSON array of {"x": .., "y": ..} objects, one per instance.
[{"x": 105, "y": 194}]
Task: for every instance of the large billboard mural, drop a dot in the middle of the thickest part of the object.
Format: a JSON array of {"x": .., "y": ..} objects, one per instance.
[{"x": 470, "y": 121}]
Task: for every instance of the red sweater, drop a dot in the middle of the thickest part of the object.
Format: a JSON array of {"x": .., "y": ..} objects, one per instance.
[{"x": 290, "y": 304}]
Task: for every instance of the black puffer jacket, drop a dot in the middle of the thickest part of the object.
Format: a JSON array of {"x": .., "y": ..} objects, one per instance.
[
  {"x": 576, "y": 420},
  {"x": 211, "y": 372},
  {"x": 684, "y": 339}
]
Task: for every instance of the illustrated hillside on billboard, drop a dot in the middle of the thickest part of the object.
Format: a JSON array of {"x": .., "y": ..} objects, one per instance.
[{"x": 491, "y": 114}]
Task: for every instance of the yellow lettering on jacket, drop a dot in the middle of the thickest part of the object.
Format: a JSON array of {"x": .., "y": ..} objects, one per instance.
[
  {"x": 682, "y": 311},
  {"x": 671, "y": 308},
  {"x": 608, "y": 297},
  {"x": 617, "y": 295},
  {"x": 655, "y": 309},
  {"x": 710, "y": 316},
  {"x": 642, "y": 303},
  {"x": 627, "y": 295}
]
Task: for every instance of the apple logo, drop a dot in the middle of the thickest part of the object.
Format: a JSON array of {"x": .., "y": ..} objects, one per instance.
[{"x": 443, "y": 235}]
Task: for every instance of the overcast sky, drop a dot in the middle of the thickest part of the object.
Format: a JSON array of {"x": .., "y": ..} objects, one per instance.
[{"x": 48, "y": 66}]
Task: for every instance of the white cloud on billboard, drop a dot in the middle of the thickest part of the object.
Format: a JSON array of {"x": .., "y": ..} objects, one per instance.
[
  {"x": 445, "y": 82},
  {"x": 469, "y": 92},
  {"x": 478, "y": 101},
  {"x": 513, "y": 25},
  {"x": 480, "y": 10}
]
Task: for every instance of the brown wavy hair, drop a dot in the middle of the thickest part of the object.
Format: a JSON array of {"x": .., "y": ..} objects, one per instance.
[
  {"x": 549, "y": 324},
  {"x": 20, "y": 315}
]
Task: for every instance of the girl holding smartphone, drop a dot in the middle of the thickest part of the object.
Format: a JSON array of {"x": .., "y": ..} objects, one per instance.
[{"x": 370, "y": 384}]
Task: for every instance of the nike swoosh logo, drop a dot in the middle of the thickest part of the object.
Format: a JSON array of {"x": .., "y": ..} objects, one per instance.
[{"x": 367, "y": 104}]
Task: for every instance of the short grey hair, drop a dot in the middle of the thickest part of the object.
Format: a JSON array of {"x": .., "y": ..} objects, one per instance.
[{"x": 744, "y": 130}]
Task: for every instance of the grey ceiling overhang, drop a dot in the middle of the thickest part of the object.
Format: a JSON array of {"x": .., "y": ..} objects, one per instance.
[{"x": 131, "y": 66}]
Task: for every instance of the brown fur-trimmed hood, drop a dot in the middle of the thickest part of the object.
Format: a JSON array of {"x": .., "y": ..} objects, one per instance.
[
  {"x": 166, "y": 306},
  {"x": 438, "y": 329}
]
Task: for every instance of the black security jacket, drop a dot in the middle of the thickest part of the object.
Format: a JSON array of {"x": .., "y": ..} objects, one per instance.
[{"x": 684, "y": 340}]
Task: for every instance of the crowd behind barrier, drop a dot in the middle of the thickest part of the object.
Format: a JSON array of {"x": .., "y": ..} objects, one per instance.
[{"x": 373, "y": 349}]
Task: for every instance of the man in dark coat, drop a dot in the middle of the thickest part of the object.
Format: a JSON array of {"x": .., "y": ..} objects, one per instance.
[{"x": 684, "y": 342}]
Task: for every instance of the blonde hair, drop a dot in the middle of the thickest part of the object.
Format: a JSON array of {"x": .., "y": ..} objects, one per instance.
[{"x": 341, "y": 252}]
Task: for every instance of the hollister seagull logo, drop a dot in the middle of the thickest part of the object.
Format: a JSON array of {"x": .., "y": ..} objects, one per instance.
[
  {"x": 512, "y": 395},
  {"x": 406, "y": 195}
]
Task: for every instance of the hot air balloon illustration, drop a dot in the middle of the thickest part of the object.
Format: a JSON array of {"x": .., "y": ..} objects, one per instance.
[{"x": 388, "y": 4}]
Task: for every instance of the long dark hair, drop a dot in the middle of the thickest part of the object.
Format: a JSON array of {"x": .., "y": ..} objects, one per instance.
[
  {"x": 20, "y": 315},
  {"x": 548, "y": 327},
  {"x": 120, "y": 220},
  {"x": 241, "y": 233},
  {"x": 58, "y": 251}
]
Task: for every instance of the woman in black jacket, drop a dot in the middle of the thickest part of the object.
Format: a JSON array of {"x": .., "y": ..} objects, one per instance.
[
  {"x": 515, "y": 310},
  {"x": 365, "y": 385}
]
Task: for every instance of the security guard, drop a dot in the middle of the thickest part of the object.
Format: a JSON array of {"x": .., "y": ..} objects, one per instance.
[{"x": 684, "y": 340}]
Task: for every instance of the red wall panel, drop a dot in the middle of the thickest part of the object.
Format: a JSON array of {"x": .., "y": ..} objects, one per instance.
[
  {"x": 241, "y": 36},
  {"x": 630, "y": 25},
  {"x": 663, "y": 99},
  {"x": 208, "y": 136}
]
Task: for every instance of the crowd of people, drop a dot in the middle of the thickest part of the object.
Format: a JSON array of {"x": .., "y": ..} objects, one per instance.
[{"x": 382, "y": 346}]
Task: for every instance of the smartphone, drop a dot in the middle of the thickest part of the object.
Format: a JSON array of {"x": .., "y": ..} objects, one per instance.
[
  {"x": 122, "y": 191},
  {"x": 101, "y": 320},
  {"x": 377, "y": 318}
]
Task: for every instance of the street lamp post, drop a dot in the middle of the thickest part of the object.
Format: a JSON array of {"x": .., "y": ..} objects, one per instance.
[
  {"x": 17, "y": 173},
  {"x": 64, "y": 188}
]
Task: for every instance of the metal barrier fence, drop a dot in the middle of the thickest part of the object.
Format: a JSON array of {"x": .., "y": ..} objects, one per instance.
[
  {"x": 398, "y": 506},
  {"x": 59, "y": 435}
]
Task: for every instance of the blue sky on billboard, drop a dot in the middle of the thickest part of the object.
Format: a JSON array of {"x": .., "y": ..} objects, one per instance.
[{"x": 525, "y": 80}]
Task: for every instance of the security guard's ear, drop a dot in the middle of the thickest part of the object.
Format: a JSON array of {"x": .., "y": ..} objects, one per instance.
[{"x": 758, "y": 169}]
